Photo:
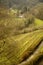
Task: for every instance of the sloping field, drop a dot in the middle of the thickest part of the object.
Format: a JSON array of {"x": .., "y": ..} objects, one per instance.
[
  {"x": 15, "y": 49},
  {"x": 38, "y": 22},
  {"x": 35, "y": 57}
]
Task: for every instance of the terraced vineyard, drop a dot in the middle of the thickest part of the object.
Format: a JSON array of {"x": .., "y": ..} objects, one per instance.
[{"x": 22, "y": 49}]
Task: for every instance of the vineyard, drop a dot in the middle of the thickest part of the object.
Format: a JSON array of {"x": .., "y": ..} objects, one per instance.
[{"x": 23, "y": 49}]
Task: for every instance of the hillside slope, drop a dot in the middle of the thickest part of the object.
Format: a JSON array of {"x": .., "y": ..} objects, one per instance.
[
  {"x": 19, "y": 3},
  {"x": 13, "y": 51}
]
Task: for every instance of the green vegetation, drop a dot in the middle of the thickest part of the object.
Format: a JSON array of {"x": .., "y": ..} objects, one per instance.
[
  {"x": 38, "y": 22},
  {"x": 15, "y": 50},
  {"x": 21, "y": 35},
  {"x": 38, "y": 11}
]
